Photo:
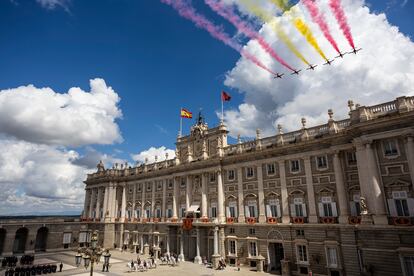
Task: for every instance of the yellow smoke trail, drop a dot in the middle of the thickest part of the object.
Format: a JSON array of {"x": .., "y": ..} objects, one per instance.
[
  {"x": 299, "y": 24},
  {"x": 268, "y": 18},
  {"x": 307, "y": 33}
]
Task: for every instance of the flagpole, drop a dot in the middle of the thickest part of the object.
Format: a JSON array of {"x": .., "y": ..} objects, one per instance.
[
  {"x": 181, "y": 124},
  {"x": 222, "y": 111}
]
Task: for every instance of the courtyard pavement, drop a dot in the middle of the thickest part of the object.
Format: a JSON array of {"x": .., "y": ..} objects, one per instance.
[{"x": 119, "y": 262}]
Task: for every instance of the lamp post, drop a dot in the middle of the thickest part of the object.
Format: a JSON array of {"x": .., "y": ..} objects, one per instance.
[{"x": 90, "y": 255}]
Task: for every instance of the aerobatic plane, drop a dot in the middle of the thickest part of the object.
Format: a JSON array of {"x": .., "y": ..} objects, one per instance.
[
  {"x": 278, "y": 76},
  {"x": 296, "y": 72},
  {"x": 311, "y": 67},
  {"x": 355, "y": 51},
  {"x": 341, "y": 55},
  {"x": 328, "y": 62}
]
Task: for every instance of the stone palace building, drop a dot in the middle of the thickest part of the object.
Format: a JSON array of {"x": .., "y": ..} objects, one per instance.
[{"x": 334, "y": 199}]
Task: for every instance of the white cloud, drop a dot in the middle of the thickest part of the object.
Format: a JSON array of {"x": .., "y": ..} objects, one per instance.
[
  {"x": 383, "y": 70},
  {"x": 40, "y": 115},
  {"x": 152, "y": 152},
  {"x": 37, "y": 177},
  {"x": 53, "y": 4}
]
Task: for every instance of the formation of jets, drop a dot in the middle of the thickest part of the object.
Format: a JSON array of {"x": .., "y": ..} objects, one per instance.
[{"x": 312, "y": 67}]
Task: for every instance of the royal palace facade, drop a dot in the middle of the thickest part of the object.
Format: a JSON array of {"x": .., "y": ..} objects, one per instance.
[{"x": 334, "y": 199}]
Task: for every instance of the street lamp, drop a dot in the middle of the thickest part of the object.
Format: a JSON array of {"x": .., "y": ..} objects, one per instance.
[{"x": 90, "y": 255}]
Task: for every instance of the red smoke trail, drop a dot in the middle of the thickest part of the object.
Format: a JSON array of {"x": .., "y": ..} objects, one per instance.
[
  {"x": 319, "y": 19},
  {"x": 247, "y": 30},
  {"x": 341, "y": 18},
  {"x": 188, "y": 12}
]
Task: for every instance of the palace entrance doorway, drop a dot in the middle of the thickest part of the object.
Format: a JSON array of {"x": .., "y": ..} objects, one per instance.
[{"x": 275, "y": 256}]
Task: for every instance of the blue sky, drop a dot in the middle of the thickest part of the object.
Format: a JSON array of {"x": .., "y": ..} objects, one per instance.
[{"x": 155, "y": 61}]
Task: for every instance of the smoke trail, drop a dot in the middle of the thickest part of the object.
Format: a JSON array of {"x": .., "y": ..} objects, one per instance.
[
  {"x": 307, "y": 33},
  {"x": 319, "y": 19},
  {"x": 188, "y": 12},
  {"x": 267, "y": 17},
  {"x": 342, "y": 21},
  {"x": 247, "y": 30}
]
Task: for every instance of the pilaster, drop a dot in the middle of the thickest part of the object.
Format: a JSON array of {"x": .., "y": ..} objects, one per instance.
[
  {"x": 204, "y": 191},
  {"x": 220, "y": 197},
  {"x": 240, "y": 196},
  {"x": 284, "y": 192},
  {"x": 262, "y": 214},
  {"x": 340, "y": 189},
  {"x": 313, "y": 218}
]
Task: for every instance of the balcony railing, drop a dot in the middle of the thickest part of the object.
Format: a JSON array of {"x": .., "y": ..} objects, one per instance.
[
  {"x": 354, "y": 220},
  {"x": 401, "y": 221},
  {"x": 328, "y": 220}
]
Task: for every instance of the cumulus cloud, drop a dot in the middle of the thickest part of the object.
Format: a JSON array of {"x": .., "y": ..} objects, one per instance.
[
  {"x": 39, "y": 177},
  {"x": 382, "y": 71},
  {"x": 75, "y": 118},
  {"x": 152, "y": 152}
]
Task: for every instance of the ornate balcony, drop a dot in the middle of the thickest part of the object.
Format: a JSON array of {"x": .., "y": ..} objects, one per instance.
[
  {"x": 231, "y": 220},
  {"x": 251, "y": 220},
  {"x": 328, "y": 220},
  {"x": 354, "y": 220},
  {"x": 298, "y": 220},
  {"x": 401, "y": 221}
]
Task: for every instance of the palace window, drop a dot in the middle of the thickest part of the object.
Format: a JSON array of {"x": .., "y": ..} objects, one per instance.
[
  {"x": 139, "y": 187},
  {"x": 408, "y": 262},
  {"x": 232, "y": 247},
  {"x": 249, "y": 172},
  {"x": 230, "y": 175},
  {"x": 321, "y": 162},
  {"x": 213, "y": 210},
  {"x": 159, "y": 186},
  {"x": 351, "y": 158},
  {"x": 390, "y": 148},
  {"x": 231, "y": 230},
  {"x": 182, "y": 211},
  {"x": 355, "y": 205},
  {"x": 400, "y": 205},
  {"x": 231, "y": 209},
  {"x": 273, "y": 208},
  {"x": 300, "y": 232},
  {"x": 170, "y": 184},
  {"x": 129, "y": 214},
  {"x": 148, "y": 187},
  {"x": 327, "y": 208},
  {"x": 332, "y": 257},
  {"x": 251, "y": 208},
  {"x": 294, "y": 166},
  {"x": 252, "y": 231},
  {"x": 147, "y": 212},
  {"x": 271, "y": 169},
  {"x": 212, "y": 177},
  {"x": 302, "y": 254},
  {"x": 298, "y": 208},
  {"x": 252, "y": 249},
  {"x": 182, "y": 183},
  {"x": 158, "y": 213},
  {"x": 169, "y": 213}
]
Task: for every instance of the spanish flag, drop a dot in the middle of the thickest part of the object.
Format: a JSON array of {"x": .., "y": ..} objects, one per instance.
[{"x": 186, "y": 114}]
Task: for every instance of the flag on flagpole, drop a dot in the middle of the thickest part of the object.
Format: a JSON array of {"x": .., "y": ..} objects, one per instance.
[
  {"x": 225, "y": 97},
  {"x": 186, "y": 114}
]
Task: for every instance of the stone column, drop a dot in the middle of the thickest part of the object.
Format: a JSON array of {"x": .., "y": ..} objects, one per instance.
[
  {"x": 284, "y": 192},
  {"x": 340, "y": 189},
  {"x": 141, "y": 244},
  {"x": 313, "y": 218},
  {"x": 175, "y": 199},
  {"x": 240, "y": 196},
  {"x": 164, "y": 199},
  {"x": 123, "y": 204},
  {"x": 105, "y": 203},
  {"x": 98, "y": 204},
  {"x": 410, "y": 157},
  {"x": 216, "y": 256},
  {"x": 220, "y": 197},
  {"x": 167, "y": 241},
  {"x": 374, "y": 180},
  {"x": 197, "y": 258},
  {"x": 92, "y": 201},
  {"x": 204, "y": 192},
  {"x": 188, "y": 196},
  {"x": 181, "y": 256},
  {"x": 143, "y": 200},
  {"x": 222, "y": 239},
  {"x": 154, "y": 185},
  {"x": 134, "y": 199},
  {"x": 86, "y": 203},
  {"x": 262, "y": 213},
  {"x": 363, "y": 173}
]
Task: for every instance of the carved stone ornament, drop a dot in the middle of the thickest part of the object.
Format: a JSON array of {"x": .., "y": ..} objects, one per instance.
[{"x": 364, "y": 207}]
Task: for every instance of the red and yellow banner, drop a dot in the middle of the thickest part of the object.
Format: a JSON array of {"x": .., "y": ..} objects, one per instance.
[{"x": 186, "y": 114}]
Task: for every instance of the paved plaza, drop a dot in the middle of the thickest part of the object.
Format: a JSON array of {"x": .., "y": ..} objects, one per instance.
[{"x": 119, "y": 266}]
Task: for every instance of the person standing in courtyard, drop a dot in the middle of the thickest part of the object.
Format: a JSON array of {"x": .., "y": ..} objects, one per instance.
[{"x": 60, "y": 267}]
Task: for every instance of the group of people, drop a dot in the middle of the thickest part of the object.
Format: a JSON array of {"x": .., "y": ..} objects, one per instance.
[
  {"x": 142, "y": 265},
  {"x": 31, "y": 270},
  {"x": 169, "y": 259},
  {"x": 221, "y": 264},
  {"x": 11, "y": 261}
]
